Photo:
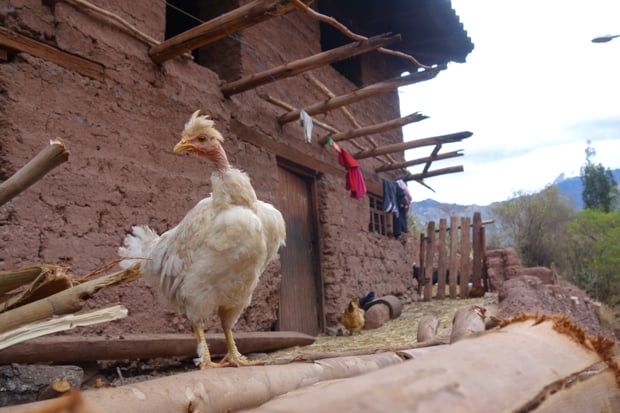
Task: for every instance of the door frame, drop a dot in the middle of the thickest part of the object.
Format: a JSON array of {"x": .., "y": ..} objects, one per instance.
[{"x": 313, "y": 177}]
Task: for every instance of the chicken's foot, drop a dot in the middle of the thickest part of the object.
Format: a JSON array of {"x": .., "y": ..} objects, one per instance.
[
  {"x": 204, "y": 357},
  {"x": 234, "y": 357}
]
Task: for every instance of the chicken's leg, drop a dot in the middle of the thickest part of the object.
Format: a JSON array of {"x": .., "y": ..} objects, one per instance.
[
  {"x": 204, "y": 357},
  {"x": 233, "y": 356}
]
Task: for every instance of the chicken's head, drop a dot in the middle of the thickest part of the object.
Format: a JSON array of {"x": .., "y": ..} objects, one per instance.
[{"x": 200, "y": 137}]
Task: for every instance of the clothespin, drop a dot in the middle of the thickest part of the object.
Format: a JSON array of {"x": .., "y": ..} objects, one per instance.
[{"x": 333, "y": 144}]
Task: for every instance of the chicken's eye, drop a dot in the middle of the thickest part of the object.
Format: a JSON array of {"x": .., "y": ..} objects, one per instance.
[{"x": 202, "y": 138}]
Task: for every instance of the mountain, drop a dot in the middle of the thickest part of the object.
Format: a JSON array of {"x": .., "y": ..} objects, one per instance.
[{"x": 431, "y": 210}]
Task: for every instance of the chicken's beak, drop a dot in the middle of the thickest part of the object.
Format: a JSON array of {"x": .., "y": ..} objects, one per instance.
[{"x": 182, "y": 146}]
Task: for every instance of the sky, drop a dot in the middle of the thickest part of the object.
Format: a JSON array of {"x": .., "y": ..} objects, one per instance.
[{"x": 533, "y": 91}]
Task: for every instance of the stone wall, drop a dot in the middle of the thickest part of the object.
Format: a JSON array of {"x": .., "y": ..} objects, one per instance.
[{"x": 122, "y": 171}]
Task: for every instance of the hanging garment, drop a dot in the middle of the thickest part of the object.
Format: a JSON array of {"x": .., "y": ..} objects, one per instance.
[
  {"x": 354, "y": 177},
  {"x": 408, "y": 197},
  {"x": 400, "y": 219},
  {"x": 390, "y": 204}
]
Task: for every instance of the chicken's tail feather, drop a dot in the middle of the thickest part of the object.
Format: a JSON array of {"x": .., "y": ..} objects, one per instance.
[{"x": 137, "y": 244}]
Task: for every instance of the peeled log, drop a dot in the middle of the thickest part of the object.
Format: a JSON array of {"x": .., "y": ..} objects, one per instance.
[
  {"x": 524, "y": 365},
  {"x": 221, "y": 390}
]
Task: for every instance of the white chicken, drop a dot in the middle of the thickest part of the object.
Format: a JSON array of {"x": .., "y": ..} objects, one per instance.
[{"x": 211, "y": 261}]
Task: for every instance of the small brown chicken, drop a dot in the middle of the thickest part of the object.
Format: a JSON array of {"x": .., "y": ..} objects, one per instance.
[{"x": 353, "y": 317}]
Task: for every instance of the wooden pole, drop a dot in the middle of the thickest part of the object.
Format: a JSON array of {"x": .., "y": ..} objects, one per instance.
[
  {"x": 215, "y": 29},
  {"x": 442, "y": 267},
  {"x": 379, "y": 127},
  {"x": 465, "y": 260},
  {"x": 430, "y": 259},
  {"x": 477, "y": 244},
  {"x": 434, "y": 153},
  {"x": 308, "y": 63},
  {"x": 360, "y": 94},
  {"x": 422, "y": 262},
  {"x": 418, "y": 143},
  {"x": 436, "y": 172},
  {"x": 454, "y": 261},
  {"x": 50, "y": 157},
  {"x": 278, "y": 102},
  {"x": 419, "y": 161},
  {"x": 15, "y": 41}
]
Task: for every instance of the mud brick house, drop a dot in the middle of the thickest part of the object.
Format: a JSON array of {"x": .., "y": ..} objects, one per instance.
[{"x": 116, "y": 82}]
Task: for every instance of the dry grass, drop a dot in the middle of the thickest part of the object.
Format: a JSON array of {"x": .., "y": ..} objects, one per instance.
[{"x": 401, "y": 331}]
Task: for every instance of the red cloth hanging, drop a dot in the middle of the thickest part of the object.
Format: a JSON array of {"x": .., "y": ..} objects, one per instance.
[{"x": 354, "y": 178}]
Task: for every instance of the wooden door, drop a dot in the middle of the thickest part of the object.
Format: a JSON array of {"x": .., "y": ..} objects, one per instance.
[{"x": 300, "y": 289}]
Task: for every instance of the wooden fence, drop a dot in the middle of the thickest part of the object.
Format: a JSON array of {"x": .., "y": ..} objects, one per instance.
[{"x": 453, "y": 256}]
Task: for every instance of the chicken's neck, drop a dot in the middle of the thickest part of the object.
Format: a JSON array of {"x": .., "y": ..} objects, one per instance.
[{"x": 219, "y": 159}]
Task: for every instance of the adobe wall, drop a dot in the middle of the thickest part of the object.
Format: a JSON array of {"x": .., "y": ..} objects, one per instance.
[{"x": 122, "y": 171}]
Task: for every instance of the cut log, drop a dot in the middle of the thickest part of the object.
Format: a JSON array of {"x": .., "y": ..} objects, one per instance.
[
  {"x": 361, "y": 94},
  {"x": 222, "y": 390},
  {"x": 419, "y": 161},
  {"x": 467, "y": 320},
  {"x": 436, "y": 172},
  {"x": 44, "y": 279},
  {"x": 64, "y": 302},
  {"x": 50, "y": 157},
  {"x": 418, "y": 143},
  {"x": 528, "y": 365},
  {"x": 427, "y": 327},
  {"x": 143, "y": 346},
  {"x": 372, "y": 129},
  {"x": 308, "y": 63},
  {"x": 219, "y": 27}
]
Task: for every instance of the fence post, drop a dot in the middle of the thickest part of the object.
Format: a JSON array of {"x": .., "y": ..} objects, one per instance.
[
  {"x": 422, "y": 262},
  {"x": 465, "y": 261},
  {"x": 428, "y": 268},
  {"x": 477, "y": 244},
  {"x": 454, "y": 263},
  {"x": 441, "y": 268}
]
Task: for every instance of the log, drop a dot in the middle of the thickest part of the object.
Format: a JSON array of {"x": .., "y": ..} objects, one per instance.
[
  {"x": 50, "y": 157},
  {"x": 15, "y": 41},
  {"x": 222, "y": 390},
  {"x": 467, "y": 320},
  {"x": 436, "y": 172},
  {"x": 526, "y": 366},
  {"x": 372, "y": 129},
  {"x": 73, "y": 349},
  {"x": 419, "y": 161},
  {"x": 302, "y": 65},
  {"x": 427, "y": 327},
  {"x": 217, "y": 28},
  {"x": 418, "y": 143},
  {"x": 57, "y": 324},
  {"x": 361, "y": 94},
  {"x": 64, "y": 302},
  {"x": 44, "y": 279}
]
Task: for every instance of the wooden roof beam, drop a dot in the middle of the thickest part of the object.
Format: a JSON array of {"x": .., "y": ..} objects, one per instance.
[
  {"x": 15, "y": 41},
  {"x": 361, "y": 94},
  {"x": 308, "y": 63},
  {"x": 215, "y": 29},
  {"x": 434, "y": 153},
  {"x": 419, "y": 161},
  {"x": 418, "y": 143},
  {"x": 379, "y": 127},
  {"x": 421, "y": 176}
]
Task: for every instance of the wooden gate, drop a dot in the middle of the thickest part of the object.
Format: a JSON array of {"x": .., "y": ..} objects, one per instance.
[{"x": 301, "y": 286}]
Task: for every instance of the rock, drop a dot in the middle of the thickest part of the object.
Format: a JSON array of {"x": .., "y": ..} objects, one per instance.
[
  {"x": 21, "y": 383},
  {"x": 427, "y": 327},
  {"x": 376, "y": 316}
]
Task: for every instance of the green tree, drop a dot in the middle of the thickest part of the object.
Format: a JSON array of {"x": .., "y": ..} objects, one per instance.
[
  {"x": 535, "y": 224},
  {"x": 594, "y": 254},
  {"x": 599, "y": 185}
]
